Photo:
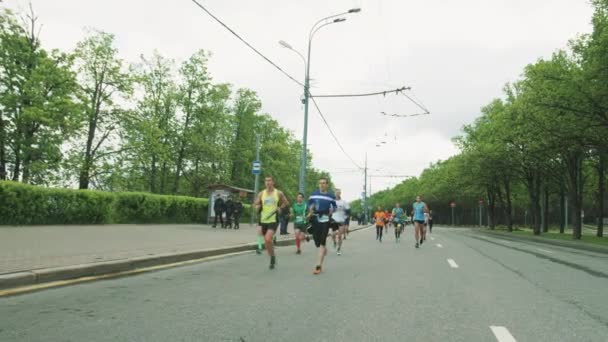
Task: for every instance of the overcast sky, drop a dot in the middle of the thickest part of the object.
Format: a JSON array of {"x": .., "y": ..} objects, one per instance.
[{"x": 456, "y": 56}]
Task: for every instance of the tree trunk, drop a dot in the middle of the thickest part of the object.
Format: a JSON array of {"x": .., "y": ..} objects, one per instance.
[
  {"x": 163, "y": 177},
  {"x": 546, "y": 210},
  {"x": 491, "y": 207},
  {"x": 601, "y": 190},
  {"x": 509, "y": 204},
  {"x": 153, "y": 174},
  {"x": 85, "y": 168},
  {"x": 2, "y": 149},
  {"x": 182, "y": 148},
  {"x": 575, "y": 192},
  {"x": 562, "y": 208}
]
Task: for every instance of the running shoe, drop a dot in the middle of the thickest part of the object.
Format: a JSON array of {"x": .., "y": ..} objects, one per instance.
[
  {"x": 317, "y": 270},
  {"x": 417, "y": 245},
  {"x": 339, "y": 252},
  {"x": 258, "y": 251},
  {"x": 298, "y": 252},
  {"x": 273, "y": 261}
]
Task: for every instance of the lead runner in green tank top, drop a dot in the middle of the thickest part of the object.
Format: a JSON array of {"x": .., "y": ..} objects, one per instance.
[{"x": 268, "y": 203}]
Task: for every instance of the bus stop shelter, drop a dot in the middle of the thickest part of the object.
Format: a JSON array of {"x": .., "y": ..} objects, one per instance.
[{"x": 225, "y": 191}]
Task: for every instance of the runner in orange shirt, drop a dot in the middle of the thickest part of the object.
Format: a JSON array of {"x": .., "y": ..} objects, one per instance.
[{"x": 380, "y": 217}]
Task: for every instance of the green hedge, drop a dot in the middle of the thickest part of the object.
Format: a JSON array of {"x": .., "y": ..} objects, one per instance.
[{"x": 22, "y": 204}]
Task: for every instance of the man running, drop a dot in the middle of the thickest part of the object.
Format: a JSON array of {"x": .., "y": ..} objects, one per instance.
[
  {"x": 380, "y": 217},
  {"x": 298, "y": 212},
  {"x": 397, "y": 216},
  {"x": 431, "y": 221},
  {"x": 387, "y": 220},
  {"x": 340, "y": 216},
  {"x": 268, "y": 202},
  {"x": 321, "y": 205},
  {"x": 419, "y": 209}
]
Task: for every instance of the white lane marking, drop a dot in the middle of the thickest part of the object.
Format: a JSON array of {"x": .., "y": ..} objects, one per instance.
[
  {"x": 452, "y": 263},
  {"x": 502, "y": 334},
  {"x": 544, "y": 250},
  {"x": 439, "y": 245}
]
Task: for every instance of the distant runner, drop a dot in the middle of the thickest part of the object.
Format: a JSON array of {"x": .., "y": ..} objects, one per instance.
[
  {"x": 380, "y": 217},
  {"x": 340, "y": 216},
  {"x": 397, "y": 218},
  {"x": 431, "y": 221},
  {"x": 419, "y": 209},
  {"x": 268, "y": 203},
  {"x": 298, "y": 212},
  {"x": 321, "y": 204}
]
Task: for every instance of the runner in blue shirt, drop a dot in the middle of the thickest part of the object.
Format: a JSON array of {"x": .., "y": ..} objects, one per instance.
[
  {"x": 398, "y": 223},
  {"x": 419, "y": 209},
  {"x": 321, "y": 204}
]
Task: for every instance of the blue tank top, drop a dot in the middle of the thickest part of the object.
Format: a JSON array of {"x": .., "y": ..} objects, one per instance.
[{"x": 418, "y": 211}]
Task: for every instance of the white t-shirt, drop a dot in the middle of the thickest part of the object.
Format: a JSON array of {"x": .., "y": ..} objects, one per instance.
[{"x": 340, "y": 214}]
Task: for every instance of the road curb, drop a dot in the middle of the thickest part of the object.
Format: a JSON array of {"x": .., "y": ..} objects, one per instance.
[
  {"x": 574, "y": 245},
  {"x": 48, "y": 275}
]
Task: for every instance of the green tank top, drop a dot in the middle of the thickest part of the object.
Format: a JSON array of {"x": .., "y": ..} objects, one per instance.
[{"x": 299, "y": 211}]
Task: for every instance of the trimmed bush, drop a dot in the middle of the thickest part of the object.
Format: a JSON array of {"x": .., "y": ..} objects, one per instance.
[{"x": 22, "y": 204}]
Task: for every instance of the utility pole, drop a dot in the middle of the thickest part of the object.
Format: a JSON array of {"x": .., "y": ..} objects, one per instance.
[
  {"x": 366, "y": 214},
  {"x": 257, "y": 168}
]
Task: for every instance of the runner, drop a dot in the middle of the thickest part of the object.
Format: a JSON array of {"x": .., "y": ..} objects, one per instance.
[
  {"x": 431, "y": 221},
  {"x": 387, "y": 220},
  {"x": 426, "y": 223},
  {"x": 321, "y": 205},
  {"x": 380, "y": 217},
  {"x": 340, "y": 216},
  {"x": 419, "y": 209},
  {"x": 298, "y": 212},
  {"x": 268, "y": 202},
  {"x": 397, "y": 217}
]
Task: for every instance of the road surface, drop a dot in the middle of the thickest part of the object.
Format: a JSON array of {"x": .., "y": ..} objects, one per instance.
[{"x": 459, "y": 286}]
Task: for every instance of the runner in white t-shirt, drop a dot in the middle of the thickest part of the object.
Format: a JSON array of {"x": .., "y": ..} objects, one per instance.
[{"x": 340, "y": 216}]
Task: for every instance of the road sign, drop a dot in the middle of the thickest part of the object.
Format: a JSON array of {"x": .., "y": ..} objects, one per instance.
[
  {"x": 453, "y": 204},
  {"x": 257, "y": 168},
  {"x": 480, "y": 202}
]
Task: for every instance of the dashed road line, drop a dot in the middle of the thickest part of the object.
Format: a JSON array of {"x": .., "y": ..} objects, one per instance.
[
  {"x": 452, "y": 263},
  {"x": 439, "y": 245},
  {"x": 502, "y": 334}
]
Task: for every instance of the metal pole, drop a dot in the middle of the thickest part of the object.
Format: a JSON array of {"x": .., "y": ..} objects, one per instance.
[
  {"x": 480, "y": 207},
  {"x": 566, "y": 213},
  {"x": 366, "y": 217},
  {"x": 452, "y": 216},
  {"x": 303, "y": 161},
  {"x": 257, "y": 177}
]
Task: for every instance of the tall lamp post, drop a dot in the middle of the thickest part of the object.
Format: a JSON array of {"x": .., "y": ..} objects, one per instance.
[{"x": 316, "y": 27}]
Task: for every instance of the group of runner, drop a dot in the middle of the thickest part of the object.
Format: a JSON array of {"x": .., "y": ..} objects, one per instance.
[
  {"x": 325, "y": 210},
  {"x": 421, "y": 217}
]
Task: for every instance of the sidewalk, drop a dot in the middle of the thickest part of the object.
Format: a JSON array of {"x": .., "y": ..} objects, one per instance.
[
  {"x": 39, "y": 254},
  {"x": 35, "y": 247}
]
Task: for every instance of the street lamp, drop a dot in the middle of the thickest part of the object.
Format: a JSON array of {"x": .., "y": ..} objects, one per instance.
[{"x": 316, "y": 27}]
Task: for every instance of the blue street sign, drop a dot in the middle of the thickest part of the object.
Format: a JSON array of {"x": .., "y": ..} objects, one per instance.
[{"x": 257, "y": 168}]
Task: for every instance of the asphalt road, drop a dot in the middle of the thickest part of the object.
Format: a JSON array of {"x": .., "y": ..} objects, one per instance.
[{"x": 472, "y": 288}]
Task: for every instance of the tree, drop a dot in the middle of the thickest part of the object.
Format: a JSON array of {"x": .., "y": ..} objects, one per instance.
[{"x": 103, "y": 81}]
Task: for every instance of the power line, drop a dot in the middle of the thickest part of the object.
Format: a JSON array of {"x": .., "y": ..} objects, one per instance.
[
  {"x": 246, "y": 43},
  {"x": 384, "y": 93},
  {"x": 333, "y": 135}
]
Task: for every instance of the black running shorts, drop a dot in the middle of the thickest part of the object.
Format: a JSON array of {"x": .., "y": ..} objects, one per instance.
[
  {"x": 272, "y": 226},
  {"x": 319, "y": 233}
]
